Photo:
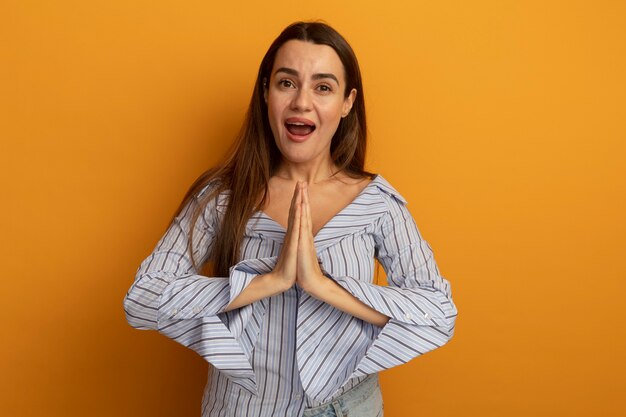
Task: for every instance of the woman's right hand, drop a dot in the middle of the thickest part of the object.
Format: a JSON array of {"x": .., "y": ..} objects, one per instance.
[
  {"x": 283, "y": 276},
  {"x": 284, "y": 272}
]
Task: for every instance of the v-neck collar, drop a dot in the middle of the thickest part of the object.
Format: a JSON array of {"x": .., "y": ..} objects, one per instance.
[
  {"x": 339, "y": 213},
  {"x": 361, "y": 214}
]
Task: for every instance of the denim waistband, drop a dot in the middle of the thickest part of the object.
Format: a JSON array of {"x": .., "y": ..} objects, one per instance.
[{"x": 347, "y": 400}]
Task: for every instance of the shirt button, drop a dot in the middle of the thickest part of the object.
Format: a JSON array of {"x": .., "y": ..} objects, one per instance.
[
  {"x": 426, "y": 315},
  {"x": 408, "y": 316},
  {"x": 173, "y": 312},
  {"x": 196, "y": 309},
  {"x": 298, "y": 396}
]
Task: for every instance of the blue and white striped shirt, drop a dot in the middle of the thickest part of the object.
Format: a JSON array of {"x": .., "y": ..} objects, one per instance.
[{"x": 278, "y": 355}]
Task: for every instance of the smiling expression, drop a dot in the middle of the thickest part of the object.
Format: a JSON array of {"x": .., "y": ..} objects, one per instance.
[{"x": 306, "y": 99}]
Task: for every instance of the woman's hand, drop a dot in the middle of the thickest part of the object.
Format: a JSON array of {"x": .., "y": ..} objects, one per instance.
[
  {"x": 283, "y": 276},
  {"x": 309, "y": 275},
  {"x": 284, "y": 273},
  {"x": 311, "y": 279},
  {"x": 297, "y": 262}
]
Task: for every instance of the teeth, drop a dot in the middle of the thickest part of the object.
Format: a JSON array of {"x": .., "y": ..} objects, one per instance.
[{"x": 296, "y": 123}]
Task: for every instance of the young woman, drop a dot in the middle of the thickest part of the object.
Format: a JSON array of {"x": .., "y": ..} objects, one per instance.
[{"x": 291, "y": 320}]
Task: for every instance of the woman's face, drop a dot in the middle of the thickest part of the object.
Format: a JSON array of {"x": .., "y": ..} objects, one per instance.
[{"x": 305, "y": 96}]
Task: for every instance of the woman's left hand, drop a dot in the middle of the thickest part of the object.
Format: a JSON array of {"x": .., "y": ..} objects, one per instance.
[{"x": 309, "y": 276}]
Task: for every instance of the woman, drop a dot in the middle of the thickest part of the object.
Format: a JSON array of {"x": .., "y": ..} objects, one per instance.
[{"x": 291, "y": 221}]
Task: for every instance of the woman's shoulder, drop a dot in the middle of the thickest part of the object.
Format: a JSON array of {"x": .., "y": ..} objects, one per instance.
[
  {"x": 374, "y": 186},
  {"x": 386, "y": 190},
  {"x": 209, "y": 187}
]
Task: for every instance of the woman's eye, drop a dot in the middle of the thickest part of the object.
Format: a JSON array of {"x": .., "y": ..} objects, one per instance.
[
  {"x": 285, "y": 83},
  {"x": 325, "y": 88}
]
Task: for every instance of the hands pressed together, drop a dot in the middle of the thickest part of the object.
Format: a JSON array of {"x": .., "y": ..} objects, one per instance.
[{"x": 297, "y": 263}]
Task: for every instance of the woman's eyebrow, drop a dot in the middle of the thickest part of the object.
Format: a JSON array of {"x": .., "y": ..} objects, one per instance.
[{"x": 320, "y": 76}]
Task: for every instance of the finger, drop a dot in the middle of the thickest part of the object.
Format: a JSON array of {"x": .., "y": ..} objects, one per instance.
[
  {"x": 297, "y": 206},
  {"x": 292, "y": 206},
  {"x": 303, "y": 216},
  {"x": 309, "y": 234},
  {"x": 306, "y": 242},
  {"x": 295, "y": 232},
  {"x": 307, "y": 256},
  {"x": 307, "y": 208},
  {"x": 306, "y": 217}
]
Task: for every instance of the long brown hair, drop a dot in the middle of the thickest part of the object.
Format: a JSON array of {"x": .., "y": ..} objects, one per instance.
[{"x": 254, "y": 157}]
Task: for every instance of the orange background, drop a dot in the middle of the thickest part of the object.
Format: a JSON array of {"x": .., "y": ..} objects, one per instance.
[{"x": 502, "y": 123}]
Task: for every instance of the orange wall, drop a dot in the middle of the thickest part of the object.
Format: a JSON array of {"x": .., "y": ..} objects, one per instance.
[{"x": 501, "y": 122}]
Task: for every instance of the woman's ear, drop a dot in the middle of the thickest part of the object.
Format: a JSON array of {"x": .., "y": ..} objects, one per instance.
[{"x": 348, "y": 102}]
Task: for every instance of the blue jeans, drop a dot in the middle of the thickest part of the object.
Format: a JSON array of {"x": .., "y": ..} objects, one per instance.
[{"x": 363, "y": 400}]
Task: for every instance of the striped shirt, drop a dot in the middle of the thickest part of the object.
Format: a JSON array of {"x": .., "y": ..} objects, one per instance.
[{"x": 291, "y": 351}]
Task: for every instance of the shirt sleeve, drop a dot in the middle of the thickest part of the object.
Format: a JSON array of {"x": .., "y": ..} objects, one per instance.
[
  {"x": 418, "y": 299},
  {"x": 168, "y": 295}
]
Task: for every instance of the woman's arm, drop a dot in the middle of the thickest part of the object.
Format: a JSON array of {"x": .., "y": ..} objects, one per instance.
[
  {"x": 417, "y": 294},
  {"x": 170, "y": 296},
  {"x": 313, "y": 281},
  {"x": 261, "y": 286},
  {"x": 411, "y": 316},
  {"x": 328, "y": 291}
]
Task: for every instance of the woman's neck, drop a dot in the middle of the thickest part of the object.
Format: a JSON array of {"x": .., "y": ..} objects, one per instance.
[{"x": 311, "y": 172}]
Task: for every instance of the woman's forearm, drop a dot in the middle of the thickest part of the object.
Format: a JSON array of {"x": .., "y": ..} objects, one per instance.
[
  {"x": 326, "y": 290},
  {"x": 262, "y": 286},
  {"x": 334, "y": 294}
]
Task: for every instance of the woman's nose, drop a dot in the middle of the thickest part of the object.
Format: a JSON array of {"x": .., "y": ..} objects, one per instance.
[{"x": 302, "y": 100}]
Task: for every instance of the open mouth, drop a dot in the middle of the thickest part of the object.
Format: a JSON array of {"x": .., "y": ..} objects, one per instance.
[{"x": 299, "y": 127}]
